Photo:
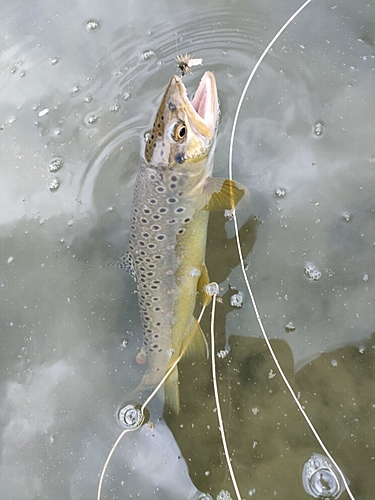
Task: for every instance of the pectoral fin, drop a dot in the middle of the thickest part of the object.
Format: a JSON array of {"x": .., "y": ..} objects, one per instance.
[
  {"x": 224, "y": 194},
  {"x": 126, "y": 262}
]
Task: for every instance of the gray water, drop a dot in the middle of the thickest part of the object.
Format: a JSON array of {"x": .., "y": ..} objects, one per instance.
[{"x": 80, "y": 84}]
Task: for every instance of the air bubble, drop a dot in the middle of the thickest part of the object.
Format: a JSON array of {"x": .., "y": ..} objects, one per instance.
[
  {"x": 147, "y": 54},
  {"x": 91, "y": 119},
  {"x": 290, "y": 327},
  {"x": 92, "y": 25},
  {"x": 130, "y": 417},
  {"x": 222, "y": 354},
  {"x": 202, "y": 496},
  {"x": 54, "y": 184},
  {"x": 312, "y": 272},
  {"x": 126, "y": 95},
  {"x": 318, "y": 128},
  {"x": 236, "y": 300},
  {"x": 320, "y": 478},
  {"x": 334, "y": 362},
  {"x": 212, "y": 289},
  {"x": 55, "y": 60},
  {"x": 365, "y": 277},
  {"x": 55, "y": 164},
  {"x": 224, "y": 495},
  {"x": 10, "y": 260},
  {"x": 347, "y": 216},
  {"x": 75, "y": 90},
  {"x": 280, "y": 192},
  {"x": 115, "y": 108}
]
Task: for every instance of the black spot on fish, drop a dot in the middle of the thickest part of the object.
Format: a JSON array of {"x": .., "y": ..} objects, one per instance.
[
  {"x": 158, "y": 257},
  {"x": 142, "y": 243},
  {"x": 146, "y": 211},
  {"x": 179, "y": 210},
  {"x": 172, "y": 200},
  {"x": 162, "y": 117},
  {"x": 174, "y": 178},
  {"x": 181, "y": 231},
  {"x": 172, "y": 185},
  {"x": 162, "y": 210},
  {"x": 142, "y": 252},
  {"x": 154, "y": 287},
  {"x": 155, "y": 228},
  {"x": 144, "y": 221},
  {"x": 156, "y": 309},
  {"x": 171, "y": 106},
  {"x": 155, "y": 299},
  {"x": 145, "y": 235},
  {"x": 156, "y": 216},
  {"x": 171, "y": 221},
  {"x": 160, "y": 189},
  {"x": 151, "y": 246},
  {"x": 152, "y": 177},
  {"x": 187, "y": 220},
  {"x": 160, "y": 237},
  {"x": 152, "y": 201}
]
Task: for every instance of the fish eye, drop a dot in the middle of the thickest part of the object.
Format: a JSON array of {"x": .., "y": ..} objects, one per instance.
[{"x": 179, "y": 131}]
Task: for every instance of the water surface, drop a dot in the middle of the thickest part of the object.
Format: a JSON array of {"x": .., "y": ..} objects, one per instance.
[{"x": 80, "y": 86}]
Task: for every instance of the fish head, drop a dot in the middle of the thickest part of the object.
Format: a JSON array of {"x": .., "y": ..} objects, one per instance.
[{"x": 184, "y": 130}]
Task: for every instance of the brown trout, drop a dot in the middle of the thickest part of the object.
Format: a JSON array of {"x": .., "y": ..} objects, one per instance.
[{"x": 173, "y": 195}]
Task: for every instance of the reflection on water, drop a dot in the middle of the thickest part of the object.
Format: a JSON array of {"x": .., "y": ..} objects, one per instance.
[{"x": 80, "y": 84}]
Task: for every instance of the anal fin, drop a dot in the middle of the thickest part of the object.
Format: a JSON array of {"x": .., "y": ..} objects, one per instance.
[
  {"x": 171, "y": 392},
  {"x": 195, "y": 344},
  {"x": 204, "y": 297}
]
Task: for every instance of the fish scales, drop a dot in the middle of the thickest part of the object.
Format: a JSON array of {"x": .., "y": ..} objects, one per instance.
[{"x": 163, "y": 224}]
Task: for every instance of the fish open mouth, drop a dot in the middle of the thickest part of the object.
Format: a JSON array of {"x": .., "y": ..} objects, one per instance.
[{"x": 205, "y": 102}]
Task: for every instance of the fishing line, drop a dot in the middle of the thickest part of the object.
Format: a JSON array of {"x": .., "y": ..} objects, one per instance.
[
  {"x": 260, "y": 323},
  {"x": 215, "y": 290}
]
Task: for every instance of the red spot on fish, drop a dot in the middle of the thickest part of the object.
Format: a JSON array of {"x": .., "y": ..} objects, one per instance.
[{"x": 141, "y": 359}]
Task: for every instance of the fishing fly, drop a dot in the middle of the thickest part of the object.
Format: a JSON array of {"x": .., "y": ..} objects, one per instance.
[{"x": 186, "y": 62}]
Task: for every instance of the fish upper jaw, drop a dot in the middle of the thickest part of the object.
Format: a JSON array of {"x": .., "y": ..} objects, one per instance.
[{"x": 184, "y": 130}]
